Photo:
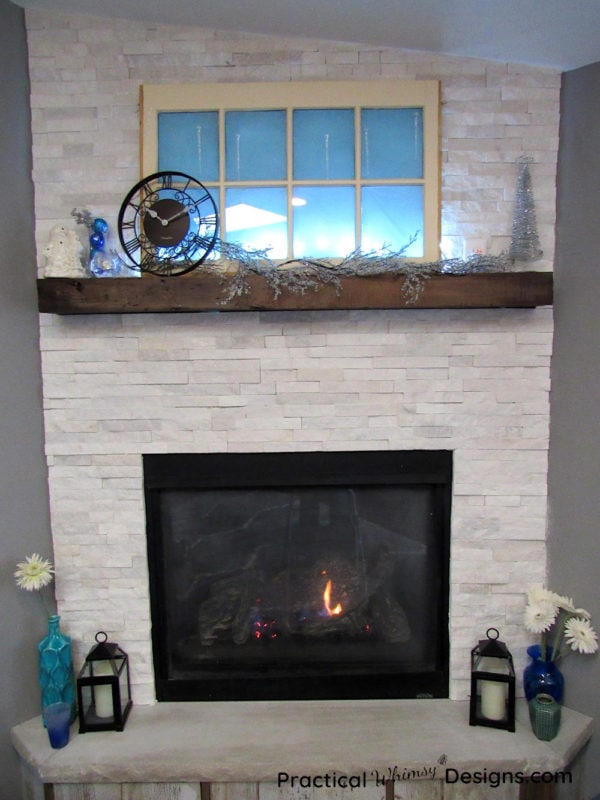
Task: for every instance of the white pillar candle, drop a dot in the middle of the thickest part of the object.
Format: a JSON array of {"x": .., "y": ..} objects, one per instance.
[
  {"x": 103, "y": 694},
  {"x": 493, "y": 695},
  {"x": 493, "y": 700}
]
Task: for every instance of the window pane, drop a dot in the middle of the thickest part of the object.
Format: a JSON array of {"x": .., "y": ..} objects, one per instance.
[
  {"x": 189, "y": 142},
  {"x": 214, "y": 253},
  {"x": 255, "y": 148},
  {"x": 392, "y": 142},
  {"x": 324, "y": 144},
  {"x": 391, "y": 217},
  {"x": 324, "y": 221},
  {"x": 257, "y": 219}
]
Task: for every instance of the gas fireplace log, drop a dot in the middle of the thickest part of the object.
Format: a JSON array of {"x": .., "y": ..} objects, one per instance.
[
  {"x": 388, "y": 617},
  {"x": 292, "y": 603}
]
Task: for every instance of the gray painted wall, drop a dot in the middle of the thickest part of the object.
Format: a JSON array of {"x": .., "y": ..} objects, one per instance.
[
  {"x": 574, "y": 480},
  {"x": 24, "y": 518}
]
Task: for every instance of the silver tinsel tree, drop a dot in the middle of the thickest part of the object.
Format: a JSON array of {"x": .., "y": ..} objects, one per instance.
[{"x": 525, "y": 243}]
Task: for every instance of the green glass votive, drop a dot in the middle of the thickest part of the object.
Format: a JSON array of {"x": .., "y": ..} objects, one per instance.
[{"x": 544, "y": 714}]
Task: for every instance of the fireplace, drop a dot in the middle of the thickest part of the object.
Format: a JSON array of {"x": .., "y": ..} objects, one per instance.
[{"x": 299, "y": 575}]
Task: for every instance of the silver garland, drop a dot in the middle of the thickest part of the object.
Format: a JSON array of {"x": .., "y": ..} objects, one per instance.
[
  {"x": 301, "y": 275},
  {"x": 308, "y": 274}
]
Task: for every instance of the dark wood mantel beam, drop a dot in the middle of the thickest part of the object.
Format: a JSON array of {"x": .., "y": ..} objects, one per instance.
[{"x": 204, "y": 291}]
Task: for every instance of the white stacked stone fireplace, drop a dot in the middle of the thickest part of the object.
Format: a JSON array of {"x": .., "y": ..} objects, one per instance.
[
  {"x": 473, "y": 382},
  {"x": 116, "y": 387}
]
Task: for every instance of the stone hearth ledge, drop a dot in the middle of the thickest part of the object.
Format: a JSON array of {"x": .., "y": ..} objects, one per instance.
[{"x": 255, "y": 741}]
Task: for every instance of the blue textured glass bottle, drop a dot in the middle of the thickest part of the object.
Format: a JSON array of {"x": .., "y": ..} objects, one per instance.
[
  {"x": 542, "y": 676},
  {"x": 57, "y": 680}
]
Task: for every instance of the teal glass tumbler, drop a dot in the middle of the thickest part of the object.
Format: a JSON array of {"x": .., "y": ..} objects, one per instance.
[{"x": 544, "y": 715}]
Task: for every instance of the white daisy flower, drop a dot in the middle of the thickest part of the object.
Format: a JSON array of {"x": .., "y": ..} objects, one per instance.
[
  {"x": 537, "y": 594},
  {"x": 580, "y": 635},
  {"x": 566, "y": 603},
  {"x": 540, "y": 616},
  {"x": 34, "y": 573}
]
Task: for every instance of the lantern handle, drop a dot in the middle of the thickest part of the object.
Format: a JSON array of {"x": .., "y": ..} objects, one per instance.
[
  {"x": 490, "y": 631},
  {"x": 100, "y": 634}
]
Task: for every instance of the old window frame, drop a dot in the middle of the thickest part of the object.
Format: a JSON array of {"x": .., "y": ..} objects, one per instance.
[{"x": 221, "y": 97}]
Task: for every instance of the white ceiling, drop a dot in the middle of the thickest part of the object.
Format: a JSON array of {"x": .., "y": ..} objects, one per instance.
[{"x": 563, "y": 34}]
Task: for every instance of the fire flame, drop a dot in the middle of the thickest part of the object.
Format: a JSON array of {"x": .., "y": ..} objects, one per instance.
[{"x": 327, "y": 602}]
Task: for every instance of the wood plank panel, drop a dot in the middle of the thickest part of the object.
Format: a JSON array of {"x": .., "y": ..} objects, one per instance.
[
  {"x": 271, "y": 791},
  {"x": 87, "y": 791},
  {"x": 234, "y": 791},
  {"x": 161, "y": 791}
]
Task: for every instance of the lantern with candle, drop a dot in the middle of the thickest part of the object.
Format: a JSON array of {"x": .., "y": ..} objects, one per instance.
[
  {"x": 103, "y": 688},
  {"x": 492, "y": 684}
]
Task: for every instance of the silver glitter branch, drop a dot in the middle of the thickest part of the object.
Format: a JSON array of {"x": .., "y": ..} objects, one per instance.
[{"x": 307, "y": 274}]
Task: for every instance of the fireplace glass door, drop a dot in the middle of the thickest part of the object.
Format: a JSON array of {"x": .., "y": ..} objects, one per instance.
[{"x": 296, "y": 576}]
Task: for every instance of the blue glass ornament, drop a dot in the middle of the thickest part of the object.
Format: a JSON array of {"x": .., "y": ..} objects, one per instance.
[
  {"x": 542, "y": 676},
  {"x": 56, "y": 676},
  {"x": 105, "y": 265},
  {"x": 97, "y": 241},
  {"x": 102, "y": 264},
  {"x": 100, "y": 225}
]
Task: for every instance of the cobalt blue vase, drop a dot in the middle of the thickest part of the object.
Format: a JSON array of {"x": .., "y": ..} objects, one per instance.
[
  {"x": 57, "y": 680},
  {"x": 542, "y": 676}
]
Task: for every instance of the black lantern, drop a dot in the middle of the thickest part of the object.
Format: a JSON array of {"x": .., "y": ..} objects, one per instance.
[
  {"x": 492, "y": 684},
  {"x": 103, "y": 688}
]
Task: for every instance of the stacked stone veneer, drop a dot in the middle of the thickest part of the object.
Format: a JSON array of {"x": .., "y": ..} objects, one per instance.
[{"x": 115, "y": 387}]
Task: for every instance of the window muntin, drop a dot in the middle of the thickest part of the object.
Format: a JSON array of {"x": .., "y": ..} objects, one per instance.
[{"x": 307, "y": 169}]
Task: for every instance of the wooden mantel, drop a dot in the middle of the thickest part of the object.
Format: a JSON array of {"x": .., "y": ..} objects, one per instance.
[{"x": 205, "y": 291}]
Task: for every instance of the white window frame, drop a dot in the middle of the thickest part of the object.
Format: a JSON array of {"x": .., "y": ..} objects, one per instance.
[{"x": 157, "y": 98}]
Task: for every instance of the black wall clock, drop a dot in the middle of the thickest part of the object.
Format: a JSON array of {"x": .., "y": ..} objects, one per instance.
[{"x": 168, "y": 223}]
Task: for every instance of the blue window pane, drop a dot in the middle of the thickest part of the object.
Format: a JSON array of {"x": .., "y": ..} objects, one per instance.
[
  {"x": 205, "y": 213},
  {"x": 189, "y": 142},
  {"x": 214, "y": 253},
  {"x": 323, "y": 144},
  {"x": 324, "y": 221},
  {"x": 392, "y": 217},
  {"x": 257, "y": 219},
  {"x": 392, "y": 142},
  {"x": 255, "y": 145}
]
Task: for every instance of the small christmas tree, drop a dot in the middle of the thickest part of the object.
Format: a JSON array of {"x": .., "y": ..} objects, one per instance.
[{"x": 525, "y": 243}]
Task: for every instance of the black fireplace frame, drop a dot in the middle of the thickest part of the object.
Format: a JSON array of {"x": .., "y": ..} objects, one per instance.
[{"x": 333, "y": 468}]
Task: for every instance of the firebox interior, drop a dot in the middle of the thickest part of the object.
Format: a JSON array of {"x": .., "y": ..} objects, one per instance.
[{"x": 299, "y": 575}]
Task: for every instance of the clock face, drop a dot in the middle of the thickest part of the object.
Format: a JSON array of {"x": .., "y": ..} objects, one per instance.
[{"x": 168, "y": 224}]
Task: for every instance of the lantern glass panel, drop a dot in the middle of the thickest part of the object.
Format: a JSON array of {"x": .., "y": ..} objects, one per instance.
[
  {"x": 123, "y": 686},
  {"x": 103, "y": 690},
  {"x": 87, "y": 701}
]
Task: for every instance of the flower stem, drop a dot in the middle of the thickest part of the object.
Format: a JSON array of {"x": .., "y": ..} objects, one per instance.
[{"x": 543, "y": 647}]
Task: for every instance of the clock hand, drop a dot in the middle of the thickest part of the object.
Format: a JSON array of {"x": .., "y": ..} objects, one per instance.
[
  {"x": 183, "y": 211},
  {"x": 154, "y": 215}
]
